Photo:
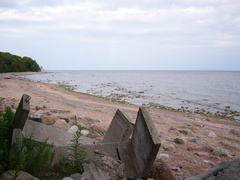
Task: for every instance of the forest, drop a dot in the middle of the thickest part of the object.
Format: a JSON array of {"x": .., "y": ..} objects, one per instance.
[{"x": 14, "y": 63}]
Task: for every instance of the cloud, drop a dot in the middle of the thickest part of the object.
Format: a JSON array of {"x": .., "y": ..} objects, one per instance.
[{"x": 145, "y": 26}]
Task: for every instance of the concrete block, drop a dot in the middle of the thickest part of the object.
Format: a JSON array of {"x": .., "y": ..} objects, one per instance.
[
  {"x": 119, "y": 130},
  {"x": 145, "y": 143},
  {"x": 54, "y": 135},
  {"x": 22, "y": 112}
]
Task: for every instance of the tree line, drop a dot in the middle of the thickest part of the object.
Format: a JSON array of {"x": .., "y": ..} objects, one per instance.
[{"x": 14, "y": 63}]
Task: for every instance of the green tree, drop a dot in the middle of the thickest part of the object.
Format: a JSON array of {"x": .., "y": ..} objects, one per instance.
[{"x": 14, "y": 63}]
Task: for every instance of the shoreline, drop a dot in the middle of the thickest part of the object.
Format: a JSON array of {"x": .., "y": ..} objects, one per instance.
[
  {"x": 226, "y": 113},
  {"x": 201, "y": 135}
]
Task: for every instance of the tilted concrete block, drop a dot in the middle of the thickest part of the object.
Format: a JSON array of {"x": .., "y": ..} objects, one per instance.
[{"x": 119, "y": 130}]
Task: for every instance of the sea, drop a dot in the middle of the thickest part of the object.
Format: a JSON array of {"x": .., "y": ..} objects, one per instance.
[{"x": 210, "y": 90}]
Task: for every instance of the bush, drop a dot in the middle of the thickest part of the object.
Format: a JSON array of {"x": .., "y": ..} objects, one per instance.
[
  {"x": 73, "y": 163},
  {"x": 31, "y": 156},
  {"x": 6, "y": 129},
  {"x": 24, "y": 153}
]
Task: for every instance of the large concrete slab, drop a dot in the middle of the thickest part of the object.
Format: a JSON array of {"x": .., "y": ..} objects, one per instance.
[
  {"x": 145, "y": 144},
  {"x": 119, "y": 130},
  {"x": 57, "y": 136}
]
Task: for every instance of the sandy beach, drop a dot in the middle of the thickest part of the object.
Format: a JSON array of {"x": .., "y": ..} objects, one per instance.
[{"x": 207, "y": 141}]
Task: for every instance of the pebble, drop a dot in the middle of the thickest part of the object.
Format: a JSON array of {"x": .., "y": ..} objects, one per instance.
[
  {"x": 235, "y": 132},
  {"x": 85, "y": 132},
  {"x": 218, "y": 151},
  {"x": 49, "y": 120},
  {"x": 211, "y": 134},
  {"x": 169, "y": 147},
  {"x": 178, "y": 141},
  {"x": 67, "y": 178},
  {"x": 73, "y": 129},
  {"x": 202, "y": 154},
  {"x": 160, "y": 156},
  {"x": 98, "y": 127},
  {"x": 195, "y": 140},
  {"x": 187, "y": 132},
  {"x": 61, "y": 124}
]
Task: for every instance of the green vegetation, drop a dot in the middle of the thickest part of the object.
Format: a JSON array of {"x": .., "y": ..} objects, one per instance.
[
  {"x": 24, "y": 153},
  {"x": 13, "y": 63},
  {"x": 31, "y": 156},
  {"x": 6, "y": 119},
  {"x": 73, "y": 163}
]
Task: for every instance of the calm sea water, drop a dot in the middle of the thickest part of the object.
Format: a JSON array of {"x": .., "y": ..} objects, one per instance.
[{"x": 210, "y": 90}]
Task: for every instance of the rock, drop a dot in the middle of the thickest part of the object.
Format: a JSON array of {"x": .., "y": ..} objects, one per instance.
[
  {"x": 194, "y": 140},
  {"x": 93, "y": 135},
  {"x": 78, "y": 176},
  {"x": 98, "y": 127},
  {"x": 194, "y": 148},
  {"x": 67, "y": 178},
  {"x": 161, "y": 171},
  {"x": 85, "y": 132},
  {"x": 178, "y": 141},
  {"x": 208, "y": 148},
  {"x": 38, "y": 108},
  {"x": 100, "y": 168},
  {"x": 218, "y": 151},
  {"x": 49, "y": 120},
  {"x": 160, "y": 156},
  {"x": 73, "y": 129},
  {"x": 187, "y": 132},
  {"x": 61, "y": 124},
  {"x": 169, "y": 147},
  {"x": 164, "y": 142},
  {"x": 66, "y": 119},
  {"x": 7, "y": 175},
  {"x": 36, "y": 119},
  {"x": 7, "y": 77},
  {"x": 229, "y": 145},
  {"x": 211, "y": 134},
  {"x": 235, "y": 132},
  {"x": 202, "y": 154},
  {"x": 223, "y": 171}
]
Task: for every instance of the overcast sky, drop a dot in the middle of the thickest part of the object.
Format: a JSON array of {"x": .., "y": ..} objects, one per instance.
[{"x": 123, "y": 34}]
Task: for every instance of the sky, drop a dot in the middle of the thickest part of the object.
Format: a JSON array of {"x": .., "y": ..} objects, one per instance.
[{"x": 123, "y": 34}]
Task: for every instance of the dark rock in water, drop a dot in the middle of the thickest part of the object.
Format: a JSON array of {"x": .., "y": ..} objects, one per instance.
[
  {"x": 224, "y": 171},
  {"x": 178, "y": 141}
]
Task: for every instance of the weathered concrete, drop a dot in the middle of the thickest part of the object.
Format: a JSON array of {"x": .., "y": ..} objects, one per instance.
[
  {"x": 138, "y": 153},
  {"x": 54, "y": 135},
  {"x": 22, "y": 112},
  {"x": 145, "y": 144},
  {"x": 119, "y": 130}
]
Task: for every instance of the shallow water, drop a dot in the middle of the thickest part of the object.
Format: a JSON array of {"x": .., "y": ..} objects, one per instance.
[{"x": 209, "y": 90}]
